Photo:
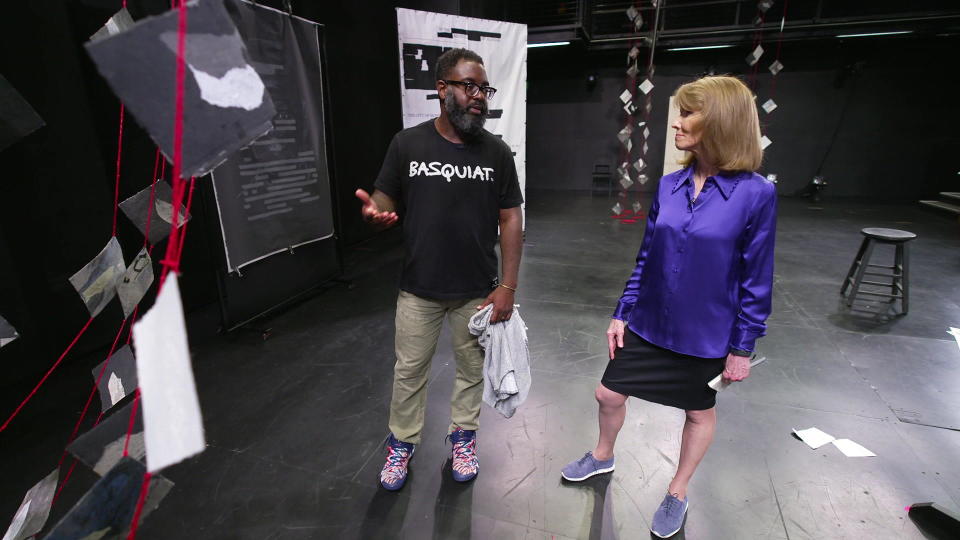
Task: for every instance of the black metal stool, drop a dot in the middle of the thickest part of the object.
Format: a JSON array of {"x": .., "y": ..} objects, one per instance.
[{"x": 899, "y": 272}]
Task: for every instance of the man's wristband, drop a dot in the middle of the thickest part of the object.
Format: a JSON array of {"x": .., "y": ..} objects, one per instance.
[
  {"x": 741, "y": 352},
  {"x": 507, "y": 287}
]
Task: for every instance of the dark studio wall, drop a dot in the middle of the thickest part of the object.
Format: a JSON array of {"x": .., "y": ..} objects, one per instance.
[{"x": 884, "y": 97}]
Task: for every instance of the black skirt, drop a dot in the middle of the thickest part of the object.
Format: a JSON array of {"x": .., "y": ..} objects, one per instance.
[{"x": 646, "y": 371}]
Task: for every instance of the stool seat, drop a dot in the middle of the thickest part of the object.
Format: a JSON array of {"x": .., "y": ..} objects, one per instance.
[{"x": 887, "y": 235}]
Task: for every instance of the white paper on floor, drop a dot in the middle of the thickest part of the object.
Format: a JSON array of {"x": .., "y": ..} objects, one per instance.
[
  {"x": 718, "y": 384},
  {"x": 852, "y": 449},
  {"x": 173, "y": 426},
  {"x": 814, "y": 437}
]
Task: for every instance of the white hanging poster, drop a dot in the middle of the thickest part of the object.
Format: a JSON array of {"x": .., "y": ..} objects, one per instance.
[{"x": 424, "y": 36}]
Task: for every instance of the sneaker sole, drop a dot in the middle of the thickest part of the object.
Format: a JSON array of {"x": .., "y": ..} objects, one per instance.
[
  {"x": 658, "y": 535},
  {"x": 593, "y": 473}
]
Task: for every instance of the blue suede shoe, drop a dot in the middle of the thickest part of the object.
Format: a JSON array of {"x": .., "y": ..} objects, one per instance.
[
  {"x": 585, "y": 467},
  {"x": 465, "y": 464},
  {"x": 669, "y": 517},
  {"x": 394, "y": 472}
]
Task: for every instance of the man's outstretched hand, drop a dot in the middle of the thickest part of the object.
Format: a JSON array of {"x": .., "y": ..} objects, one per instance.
[{"x": 371, "y": 212}]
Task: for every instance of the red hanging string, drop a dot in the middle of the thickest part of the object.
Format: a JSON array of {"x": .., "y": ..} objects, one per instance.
[
  {"x": 44, "y": 379},
  {"x": 144, "y": 489},
  {"x": 116, "y": 186},
  {"x": 183, "y": 232},
  {"x": 133, "y": 417}
]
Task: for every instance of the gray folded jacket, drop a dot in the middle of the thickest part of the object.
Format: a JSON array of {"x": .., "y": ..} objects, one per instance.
[{"x": 506, "y": 360}]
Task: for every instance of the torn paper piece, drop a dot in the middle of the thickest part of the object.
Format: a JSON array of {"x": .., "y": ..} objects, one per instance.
[
  {"x": 852, "y": 449},
  {"x": 626, "y": 96},
  {"x": 630, "y": 108},
  {"x": 646, "y": 86},
  {"x": 955, "y": 332},
  {"x": 718, "y": 384},
  {"x": 634, "y": 52},
  {"x": 625, "y": 133},
  {"x": 775, "y": 67},
  {"x": 96, "y": 282},
  {"x": 7, "y": 332},
  {"x": 626, "y": 182},
  {"x": 135, "y": 282},
  {"x": 764, "y": 5},
  {"x": 765, "y": 142},
  {"x": 638, "y": 22},
  {"x": 17, "y": 118},
  {"x": 769, "y": 105},
  {"x": 642, "y": 178},
  {"x": 617, "y": 209},
  {"x": 34, "y": 510},
  {"x": 120, "y": 378},
  {"x": 226, "y": 106},
  {"x": 637, "y": 207},
  {"x": 139, "y": 210},
  {"x": 646, "y": 148},
  {"x": 639, "y": 165},
  {"x": 755, "y": 55},
  {"x": 632, "y": 13},
  {"x": 628, "y": 145},
  {"x": 814, "y": 437},
  {"x": 101, "y": 448},
  {"x": 120, "y": 21},
  {"x": 171, "y": 412},
  {"x": 646, "y": 133},
  {"x": 632, "y": 71},
  {"x": 107, "y": 510}
]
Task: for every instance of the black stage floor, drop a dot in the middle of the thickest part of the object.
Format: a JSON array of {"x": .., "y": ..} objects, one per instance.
[{"x": 295, "y": 424}]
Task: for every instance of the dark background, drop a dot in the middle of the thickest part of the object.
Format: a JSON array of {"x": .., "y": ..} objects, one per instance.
[{"x": 896, "y": 114}]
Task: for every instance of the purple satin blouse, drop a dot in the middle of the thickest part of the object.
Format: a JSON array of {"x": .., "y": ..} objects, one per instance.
[{"x": 704, "y": 276}]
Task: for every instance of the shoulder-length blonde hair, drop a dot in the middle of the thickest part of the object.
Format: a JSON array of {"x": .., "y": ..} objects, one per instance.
[{"x": 730, "y": 129}]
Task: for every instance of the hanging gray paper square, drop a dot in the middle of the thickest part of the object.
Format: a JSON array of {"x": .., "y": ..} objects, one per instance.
[
  {"x": 17, "y": 118},
  {"x": 102, "y": 447},
  {"x": 7, "y": 332},
  {"x": 138, "y": 209},
  {"x": 755, "y": 55},
  {"x": 119, "y": 380},
  {"x": 769, "y": 105},
  {"x": 225, "y": 102},
  {"x": 632, "y": 13},
  {"x": 646, "y": 86},
  {"x": 120, "y": 21},
  {"x": 34, "y": 510},
  {"x": 625, "y": 133},
  {"x": 135, "y": 282},
  {"x": 96, "y": 283},
  {"x": 617, "y": 209},
  {"x": 637, "y": 207},
  {"x": 107, "y": 510},
  {"x": 775, "y": 67},
  {"x": 632, "y": 71}
]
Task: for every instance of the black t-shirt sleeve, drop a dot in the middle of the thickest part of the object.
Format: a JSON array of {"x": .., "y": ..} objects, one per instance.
[
  {"x": 389, "y": 179},
  {"x": 509, "y": 194}
]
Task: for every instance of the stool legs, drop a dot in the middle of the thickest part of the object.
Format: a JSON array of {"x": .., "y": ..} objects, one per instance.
[
  {"x": 903, "y": 262},
  {"x": 858, "y": 260},
  {"x": 861, "y": 267}
]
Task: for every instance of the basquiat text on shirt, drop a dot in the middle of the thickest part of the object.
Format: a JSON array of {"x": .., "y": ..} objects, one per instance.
[{"x": 448, "y": 171}]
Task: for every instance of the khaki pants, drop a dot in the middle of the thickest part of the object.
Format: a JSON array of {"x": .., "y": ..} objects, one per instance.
[{"x": 418, "y": 324}]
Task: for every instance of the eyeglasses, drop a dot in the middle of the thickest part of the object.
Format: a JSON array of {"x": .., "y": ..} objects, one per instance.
[{"x": 472, "y": 89}]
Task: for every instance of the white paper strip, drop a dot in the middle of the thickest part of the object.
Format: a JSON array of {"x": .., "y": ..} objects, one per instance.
[
  {"x": 852, "y": 449},
  {"x": 955, "y": 332},
  {"x": 172, "y": 422},
  {"x": 718, "y": 384},
  {"x": 765, "y": 142},
  {"x": 814, "y": 437}
]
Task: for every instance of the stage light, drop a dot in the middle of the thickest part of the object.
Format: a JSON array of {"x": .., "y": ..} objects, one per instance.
[
  {"x": 876, "y": 34},
  {"x": 700, "y": 47},
  {"x": 550, "y": 44}
]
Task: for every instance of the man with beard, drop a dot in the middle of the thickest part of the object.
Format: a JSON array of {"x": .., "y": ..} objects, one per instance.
[{"x": 452, "y": 183}]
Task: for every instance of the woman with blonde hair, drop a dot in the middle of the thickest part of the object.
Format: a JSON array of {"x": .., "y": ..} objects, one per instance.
[{"x": 701, "y": 290}]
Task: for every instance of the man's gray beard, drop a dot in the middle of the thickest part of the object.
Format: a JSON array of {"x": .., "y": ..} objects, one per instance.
[{"x": 466, "y": 124}]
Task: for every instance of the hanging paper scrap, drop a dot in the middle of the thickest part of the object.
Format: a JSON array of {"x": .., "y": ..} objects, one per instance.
[
  {"x": 17, "y": 118},
  {"x": 101, "y": 448},
  {"x": 120, "y": 22},
  {"x": 625, "y": 133},
  {"x": 96, "y": 282},
  {"x": 138, "y": 210},
  {"x": 639, "y": 165},
  {"x": 769, "y": 105},
  {"x": 617, "y": 209},
  {"x": 171, "y": 410},
  {"x": 107, "y": 510},
  {"x": 633, "y": 71},
  {"x": 119, "y": 380},
  {"x": 632, "y": 13},
  {"x": 226, "y": 105},
  {"x": 633, "y": 54},
  {"x": 765, "y": 142},
  {"x": 775, "y": 67},
  {"x": 7, "y": 332},
  {"x": 34, "y": 510},
  {"x": 646, "y": 86},
  {"x": 637, "y": 207},
  {"x": 754, "y": 56},
  {"x": 135, "y": 282},
  {"x": 626, "y": 96}
]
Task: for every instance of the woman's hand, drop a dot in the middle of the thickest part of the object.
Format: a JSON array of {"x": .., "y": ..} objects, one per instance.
[
  {"x": 737, "y": 368},
  {"x": 615, "y": 336}
]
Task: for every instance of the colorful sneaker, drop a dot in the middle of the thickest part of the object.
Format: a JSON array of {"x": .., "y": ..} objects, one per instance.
[
  {"x": 669, "y": 517},
  {"x": 394, "y": 473},
  {"x": 585, "y": 467},
  {"x": 465, "y": 464}
]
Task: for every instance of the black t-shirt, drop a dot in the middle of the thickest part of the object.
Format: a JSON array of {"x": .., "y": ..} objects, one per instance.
[{"x": 450, "y": 196}]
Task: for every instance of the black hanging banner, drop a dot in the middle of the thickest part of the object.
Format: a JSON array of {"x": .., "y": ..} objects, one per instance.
[{"x": 274, "y": 195}]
